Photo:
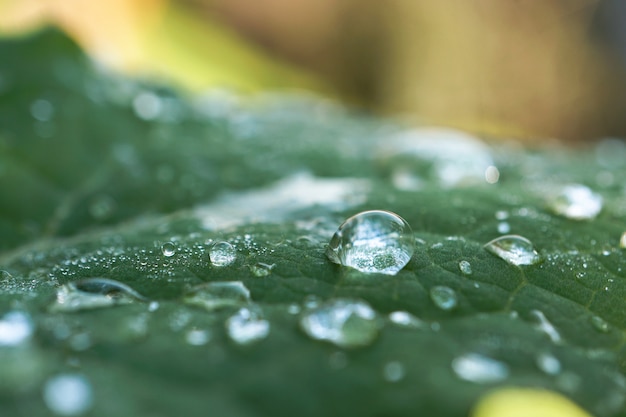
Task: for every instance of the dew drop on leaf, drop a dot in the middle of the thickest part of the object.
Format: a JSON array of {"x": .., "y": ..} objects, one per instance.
[
  {"x": 90, "y": 293},
  {"x": 480, "y": 369},
  {"x": 465, "y": 267},
  {"x": 373, "y": 242},
  {"x": 577, "y": 202},
  {"x": 543, "y": 324},
  {"x": 215, "y": 295},
  {"x": 261, "y": 269},
  {"x": 222, "y": 254},
  {"x": 394, "y": 371},
  {"x": 548, "y": 363},
  {"x": 247, "y": 326},
  {"x": 197, "y": 337},
  {"x": 68, "y": 394},
  {"x": 168, "y": 249},
  {"x": 600, "y": 324},
  {"x": 515, "y": 249},
  {"x": 444, "y": 297},
  {"x": 343, "y": 322},
  {"x": 504, "y": 227},
  {"x": 405, "y": 319}
]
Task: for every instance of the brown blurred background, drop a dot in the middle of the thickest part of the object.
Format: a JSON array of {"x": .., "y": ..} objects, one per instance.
[{"x": 526, "y": 69}]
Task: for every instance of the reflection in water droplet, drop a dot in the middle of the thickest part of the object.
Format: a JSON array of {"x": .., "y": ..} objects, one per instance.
[
  {"x": 15, "y": 328},
  {"x": 444, "y": 297},
  {"x": 215, "y": 295},
  {"x": 577, "y": 202},
  {"x": 68, "y": 394},
  {"x": 514, "y": 249},
  {"x": 168, "y": 249},
  {"x": 480, "y": 369},
  {"x": 222, "y": 254},
  {"x": 543, "y": 324},
  {"x": 373, "y": 241},
  {"x": 346, "y": 323},
  {"x": 196, "y": 337},
  {"x": 405, "y": 319},
  {"x": 549, "y": 364},
  {"x": 261, "y": 269},
  {"x": 93, "y": 293},
  {"x": 465, "y": 267},
  {"x": 394, "y": 371},
  {"x": 599, "y": 324},
  {"x": 622, "y": 241},
  {"x": 247, "y": 326}
]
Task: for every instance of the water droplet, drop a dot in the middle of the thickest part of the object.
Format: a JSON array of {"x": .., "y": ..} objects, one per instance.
[
  {"x": 261, "y": 269},
  {"x": 622, "y": 241},
  {"x": 168, "y": 249},
  {"x": 465, "y": 267},
  {"x": 222, "y": 254},
  {"x": 373, "y": 241},
  {"x": 502, "y": 215},
  {"x": 68, "y": 394},
  {"x": 548, "y": 364},
  {"x": 293, "y": 309},
  {"x": 504, "y": 227},
  {"x": 42, "y": 110},
  {"x": 343, "y": 322},
  {"x": 247, "y": 326},
  {"x": 153, "y": 306},
  {"x": 514, "y": 249},
  {"x": 215, "y": 295},
  {"x": 492, "y": 174},
  {"x": 394, "y": 371},
  {"x": 405, "y": 319},
  {"x": 93, "y": 293},
  {"x": 479, "y": 369},
  {"x": 196, "y": 337},
  {"x": 577, "y": 202},
  {"x": 443, "y": 297},
  {"x": 15, "y": 328},
  {"x": 147, "y": 105},
  {"x": 600, "y": 324},
  {"x": 544, "y": 325}
]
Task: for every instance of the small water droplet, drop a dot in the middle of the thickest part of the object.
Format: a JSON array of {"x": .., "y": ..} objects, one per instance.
[
  {"x": 394, "y": 371},
  {"x": 168, "y": 249},
  {"x": 373, "y": 242},
  {"x": 90, "y": 293},
  {"x": 42, "y": 110},
  {"x": 197, "y": 337},
  {"x": 147, "y": 105},
  {"x": 222, "y": 254},
  {"x": 68, "y": 394},
  {"x": 502, "y": 215},
  {"x": 247, "y": 326},
  {"x": 293, "y": 309},
  {"x": 504, "y": 227},
  {"x": 549, "y": 364},
  {"x": 405, "y": 319},
  {"x": 261, "y": 269},
  {"x": 343, "y": 322},
  {"x": 544, "y": 325},
  {"x": 444, "y": 297},
  {"x": 479, "y": 369},
  {"x": 311, "y": 301},
  {"x": 492, "y": 174},
  {"x": 219, "y": 294},
  {"x": 622, "y": 241},
  {"x": 15, "y": 328},
  {"x": 600, "y": 324},
  {"x": 577, "y": 202},
  {"x": 514, "y": 249},
  {"x": 153, "y": 306},
  {"x": 465, "y": 267}
]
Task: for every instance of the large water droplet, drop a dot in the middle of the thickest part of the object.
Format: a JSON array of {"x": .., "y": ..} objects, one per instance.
[
  {"x": 247, "y": 326},
  {"x": 168, "y": 249},
  {"x": 68, "y": 394},
  {"x": 480, "y": 369},
  {"x": 544, "y": 325},
  {"x": 15, "y": 328},
  {"x": 514, "y": 249},
  {"x": 465, "y": 267},
  {"x": 215, "y": 295},
  {"x": 222, "y": 254},
  {"x": 343, "y": 322},
  {"x": 577, "y": 202},
  {"x": 373, "y": 241},
  {"x": 261, "y": 269},
  {"x": 443, "y": 297},
  {"x": 93, "y": 293}
]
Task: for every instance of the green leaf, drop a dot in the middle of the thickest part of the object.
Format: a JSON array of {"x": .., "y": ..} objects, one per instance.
[{"x": 97, "y": 172}]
